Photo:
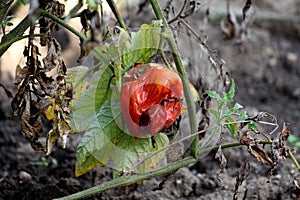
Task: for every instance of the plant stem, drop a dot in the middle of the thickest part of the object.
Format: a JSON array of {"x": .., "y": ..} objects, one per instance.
[
  {"x": 62, "y": 22},
  {"x": 15, "y": 39},
  {"x": 116, "y": 13},
  {"x": 184, "y": 78},
  {"x": 16, "y": 32},
  {"x": 292, "y": 157},
  {"x": 127, "y": 180}
]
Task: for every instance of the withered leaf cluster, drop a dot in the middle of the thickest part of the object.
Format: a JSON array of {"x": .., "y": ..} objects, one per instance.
[
  {"x": 43, "y": 97},
  {"x": 255, "y": 150},
  {"x": 277, "y": 152}
]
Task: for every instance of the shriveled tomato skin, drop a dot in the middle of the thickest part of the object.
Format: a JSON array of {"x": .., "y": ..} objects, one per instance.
[{"x": 151, "y": 99}]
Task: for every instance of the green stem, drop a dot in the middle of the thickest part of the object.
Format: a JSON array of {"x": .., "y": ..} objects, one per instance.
[
  {"x": 184, "y": 78},
  {"x": 62, "y": 22},
  {"x": 16, "y": 32},
  {"x": 116, "y": 13},
  {"x": 15, "y": 39},
  {"x": 125, "y": 180},
  {"x": 292, "y": 157}
]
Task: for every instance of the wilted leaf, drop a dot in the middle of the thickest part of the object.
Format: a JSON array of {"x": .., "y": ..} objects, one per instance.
[
  {"x": 229, "y": 26},
  {"x": 253, "y": 148},
  {"x": 243, "y": 173},
  {"x": 285, "y": 133},
  {"x": 20, "y": 74},
  {"x": 31, "y": 125},
  {"x": 52, "y": 59},
  {"x": 245, "y": 139},
  {"x": 223, "y": 162},
  {"x": 260, "y": 155},
  {"x": 220, "y": 156}
]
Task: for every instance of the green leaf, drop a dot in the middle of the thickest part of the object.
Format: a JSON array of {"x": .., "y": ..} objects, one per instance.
[
  {"x": 243, "y": 116},
  {"x": 86, "y": 159},
  {"x": 214, "y": 112},
  {"x": 213, "y": 94},
  {"x": 233, "y": 110},
  {"x": 9, "y": 24},
  {"x": 233, "y": 128},
  {"x": 229, "y": 96},
  {"x": 141, "y": 46},
  {"x": 253, "y": 126},
  {"x": 237, "y": 106}
]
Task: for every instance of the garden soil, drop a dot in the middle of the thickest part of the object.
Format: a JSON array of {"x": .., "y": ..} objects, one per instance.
[{"x": 266, "y": 69}]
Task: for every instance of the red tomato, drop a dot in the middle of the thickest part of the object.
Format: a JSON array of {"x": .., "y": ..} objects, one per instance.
[{"x": 151, "y": 99}]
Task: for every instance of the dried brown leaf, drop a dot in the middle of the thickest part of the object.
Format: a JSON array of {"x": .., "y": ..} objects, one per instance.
[
  {"x": 222, "y": 159},
  {"x": 243, "y": 173},
  {"x": 52, "y": 59},
  {"x": 245, "y": 139},
  {"x": 17, "y": 104},
  {"x": 37, "y": 89},
  {"x": 20, "y": 74},
  {"x": 31, "y": 125},
  {"x": 229, "y": 26},
  {"x": 260, "y": 155},
  {"x": 285, "y": 133},
  {"x": 223, "y": 162}
]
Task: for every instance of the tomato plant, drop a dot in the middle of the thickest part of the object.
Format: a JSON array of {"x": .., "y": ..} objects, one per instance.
[
  {"x": 148, "y": 95},
  {"x": 151, "y": 102}
]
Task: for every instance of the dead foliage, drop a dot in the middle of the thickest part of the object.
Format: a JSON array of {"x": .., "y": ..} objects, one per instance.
[
  {"x": 243, "y": 173},
  {"x": 223, "y": 162},
  {"x": 277, "y": 150},
  {"x": 42, "y": 97}
]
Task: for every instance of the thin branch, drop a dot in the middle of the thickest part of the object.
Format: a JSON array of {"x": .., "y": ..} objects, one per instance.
[
  {"x": 292, "y": 157},
  {"x": 203, "y": 43},
  {"x": 115, "y": 10},
  {"x": 127, "y": 180},
  {"x": 16, "y": 32},
  {"x": 15, "y": 39},
  {"x": 178, "y": 16}
]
